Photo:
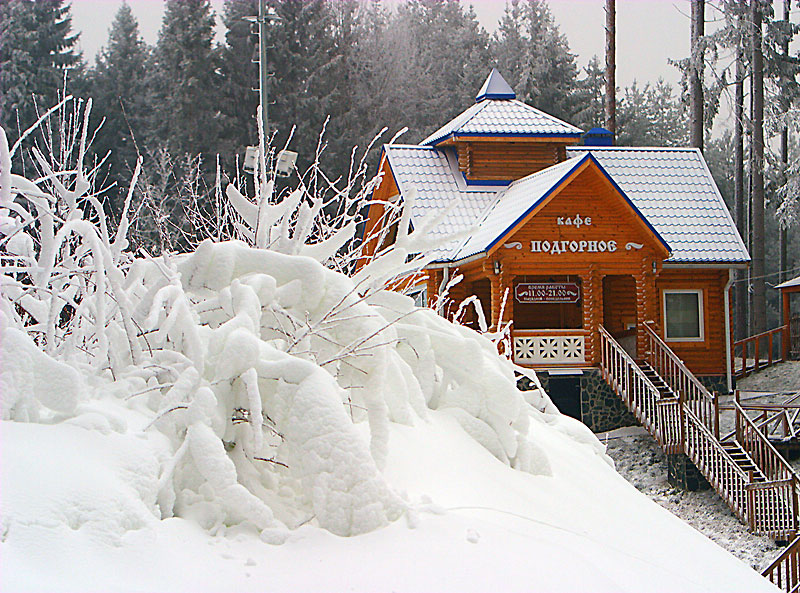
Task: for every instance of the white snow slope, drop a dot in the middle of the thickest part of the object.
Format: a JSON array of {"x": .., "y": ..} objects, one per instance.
[{"x": 254, "y": 450}]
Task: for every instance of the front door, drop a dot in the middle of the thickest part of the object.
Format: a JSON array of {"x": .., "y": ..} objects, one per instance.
[
  {"x": 619, "y": 310},
  {"x": 565, "y": 393}
]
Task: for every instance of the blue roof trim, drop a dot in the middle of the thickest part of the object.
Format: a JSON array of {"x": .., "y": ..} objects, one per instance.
[
  {"x": 492, "y": 182},
  {"x": 530, "y": 209},
  {"x": 507, "y": 135},
  {"x": 557, "y": 184},
  {"x": 630, "y": 203}
]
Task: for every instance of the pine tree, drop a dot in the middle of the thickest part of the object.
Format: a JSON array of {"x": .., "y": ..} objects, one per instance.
[
  {"x": 302, "y": 48},
  {"x": 534, "y": 58},
  {"x": 439, "y": 59},
  {"x": 651, "y": 116},
  {"x": 37, "y": 48},
  {"x": 184, "y": 87},
  {"x": 592, "y": 93},
  {"x": 118, "y": 92}
]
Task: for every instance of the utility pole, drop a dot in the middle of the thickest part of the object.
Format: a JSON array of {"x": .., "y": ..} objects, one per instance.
[{"x": 262, "y": 66}]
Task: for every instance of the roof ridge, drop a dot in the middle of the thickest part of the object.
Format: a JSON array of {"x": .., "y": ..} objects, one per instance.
[
  {"x": 640, "y": 148},
  {"x": 416, "y": 146}
]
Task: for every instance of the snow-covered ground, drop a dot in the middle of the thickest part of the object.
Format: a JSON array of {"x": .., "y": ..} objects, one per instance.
[
  {"x": 640, "y": 460},
  {"x": 784, "y": 376},
  {"x": 74, "y": 520}
]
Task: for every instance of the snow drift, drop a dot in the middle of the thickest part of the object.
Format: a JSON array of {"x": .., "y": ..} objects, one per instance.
[{"x": 251, "y": 393}]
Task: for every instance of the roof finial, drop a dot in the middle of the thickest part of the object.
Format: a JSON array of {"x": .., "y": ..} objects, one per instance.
[{"x": 495, "y": 87}]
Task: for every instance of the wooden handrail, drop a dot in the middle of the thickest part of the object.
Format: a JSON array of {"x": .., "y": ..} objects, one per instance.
[
  {"x": 630, "y": 382},
  {"x": 766, "y": 498},
  {"x": 680, "y": 379},
  {"x": 716, "y": 464},
  {"x": 673, "y": 358},
  {"x": 762, "y": 452},
  {"x": 784, "y": 571},
  {"x": 744, "y": 344}
]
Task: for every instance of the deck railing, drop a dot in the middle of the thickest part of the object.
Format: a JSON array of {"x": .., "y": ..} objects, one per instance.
[
  {"x": 680, "y": 379},
  {"x": 784, "y": 571},
  {"x": 629, "y": 381},
  {"x": 774, "y": 502},
  {"x": 761, "y": 451},
  {"x": 763, "y": 349},
  {"x": 717, "y": 465}
]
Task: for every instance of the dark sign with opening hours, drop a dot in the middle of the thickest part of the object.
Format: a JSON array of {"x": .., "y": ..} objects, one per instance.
[{"x": 547, "y": 292}]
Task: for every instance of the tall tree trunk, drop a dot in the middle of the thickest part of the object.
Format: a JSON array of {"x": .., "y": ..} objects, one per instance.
[
  {"x": 611, "y": 66},
  {"x": 784, "y": 232},
  {"x": 696, "y": 74},
  {"x": 738, "y": 186},
  {"x": 757, "y": 174}
]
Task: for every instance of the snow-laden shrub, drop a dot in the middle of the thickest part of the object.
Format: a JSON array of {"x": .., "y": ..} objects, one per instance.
[{"x": 270, "y": 379}]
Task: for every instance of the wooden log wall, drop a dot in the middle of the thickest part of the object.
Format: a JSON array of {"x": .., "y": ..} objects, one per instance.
[
  {"x": 709, "y": 356},
  {"x": 507, "y": 160}
]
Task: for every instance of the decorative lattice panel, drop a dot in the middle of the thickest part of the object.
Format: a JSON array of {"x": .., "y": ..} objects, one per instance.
[{"x": 549, "y": 349}]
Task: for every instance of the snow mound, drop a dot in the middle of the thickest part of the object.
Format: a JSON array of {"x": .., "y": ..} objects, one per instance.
[{"x": 258, "y": 368}]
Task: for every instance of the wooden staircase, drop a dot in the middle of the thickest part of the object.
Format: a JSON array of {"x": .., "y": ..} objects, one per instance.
[{"x": 753, "y": 479}]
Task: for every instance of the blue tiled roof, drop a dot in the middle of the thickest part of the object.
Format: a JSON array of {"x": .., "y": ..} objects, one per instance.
[
  {"x": 508, "y": 117},
  {"x": 675, "y": 191},
  {"x": 671, "y": 187},
  {"x": 435, "y": 175}
]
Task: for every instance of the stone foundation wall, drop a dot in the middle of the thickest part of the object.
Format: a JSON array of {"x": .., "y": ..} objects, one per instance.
[
  {"x": 714, "y": 383},
  {"x": 601, "y": 408},
  {"x": 683, "y": 474}
]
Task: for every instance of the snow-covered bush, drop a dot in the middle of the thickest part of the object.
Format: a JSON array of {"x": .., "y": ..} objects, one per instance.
[{"x": 265, "y": 380}]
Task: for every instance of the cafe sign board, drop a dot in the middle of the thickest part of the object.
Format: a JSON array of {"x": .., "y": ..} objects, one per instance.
[{"x": 547, "y": 292}]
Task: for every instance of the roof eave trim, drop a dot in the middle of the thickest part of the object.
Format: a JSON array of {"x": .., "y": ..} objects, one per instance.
[
  {"x": 495, "y": 96},
  {"x": 441, "y": 264},
  {"x": 709, "y": 265},
  {"x": 456, "y": 135}
]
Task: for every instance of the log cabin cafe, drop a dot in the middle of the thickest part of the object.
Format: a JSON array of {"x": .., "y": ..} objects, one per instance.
[{"x": 608, "y": 255}]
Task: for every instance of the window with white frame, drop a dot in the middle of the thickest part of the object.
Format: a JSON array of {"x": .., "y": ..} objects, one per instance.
[
  {"x": 420, "y": 296},
  {"x": 683, "y": 315}
]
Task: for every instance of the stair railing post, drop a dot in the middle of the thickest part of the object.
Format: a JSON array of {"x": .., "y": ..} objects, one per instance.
[
  {"x": 769, "y": 354},
  {"x": 751, "y": 503},
  {"x": 716, "y": 415},
  {"x": 758, "y": 355},
  {"x": 736, "y": 416}
]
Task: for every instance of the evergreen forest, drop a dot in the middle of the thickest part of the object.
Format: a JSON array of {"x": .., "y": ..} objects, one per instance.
[{"x": 345, "y": 72}]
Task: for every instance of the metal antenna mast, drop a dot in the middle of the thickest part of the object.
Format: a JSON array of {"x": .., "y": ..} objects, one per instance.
[{"x": 262, "y": 65}]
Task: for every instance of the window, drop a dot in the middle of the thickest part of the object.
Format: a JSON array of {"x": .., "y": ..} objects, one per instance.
[
  {"x": 683, "y": 315},
  {"x": 420, "y": 296}
]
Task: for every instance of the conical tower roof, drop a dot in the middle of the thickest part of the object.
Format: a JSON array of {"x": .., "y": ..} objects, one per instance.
[
  {"x": 497, "y": 113},
  {"x": 495, "y": 87}
]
